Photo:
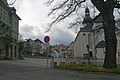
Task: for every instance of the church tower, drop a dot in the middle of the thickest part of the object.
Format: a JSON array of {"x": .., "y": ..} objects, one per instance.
[{"x": 87, "y": 18}]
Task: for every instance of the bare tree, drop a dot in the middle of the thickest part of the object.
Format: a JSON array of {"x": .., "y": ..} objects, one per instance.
[
  {"x": 106, "y": 8},
  {"x": 12, "y": 2}
]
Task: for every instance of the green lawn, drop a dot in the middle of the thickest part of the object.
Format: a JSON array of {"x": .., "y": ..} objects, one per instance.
[{"x": 87, "y": 67}]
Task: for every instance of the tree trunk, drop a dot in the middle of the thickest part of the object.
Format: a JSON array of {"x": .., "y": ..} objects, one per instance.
[
  {"x": 106, "y": 9},
  {"x": 110, "y": 39}
]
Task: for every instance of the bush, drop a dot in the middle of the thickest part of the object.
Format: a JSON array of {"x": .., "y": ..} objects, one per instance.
[
  {"x": 8, "y": 58},
  {"x": 21, "y": 57},
  {"x": 87, "y": 67}
]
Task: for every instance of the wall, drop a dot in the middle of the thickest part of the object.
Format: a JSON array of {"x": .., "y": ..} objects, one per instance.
[
  {"x": 83, "y": 39},
  {"x": 100, "y": 53}
]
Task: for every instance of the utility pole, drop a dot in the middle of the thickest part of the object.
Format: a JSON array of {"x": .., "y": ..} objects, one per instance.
[
  {"x": 47, "y": 53},
  {"x": 46, "y": 40}
]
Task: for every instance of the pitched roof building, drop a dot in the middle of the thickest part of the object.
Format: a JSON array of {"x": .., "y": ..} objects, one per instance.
[
  {"x": 9, "y": 31},
  {"x": 84, "y": 37},
  {"x": 90, "y": 38}
]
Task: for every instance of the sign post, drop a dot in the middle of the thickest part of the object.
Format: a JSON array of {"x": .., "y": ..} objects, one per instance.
[{"x": 46, "y": 40}]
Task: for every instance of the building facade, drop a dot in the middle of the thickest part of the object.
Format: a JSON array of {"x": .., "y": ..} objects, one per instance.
[
  {"x": 70, "y": 50},
  {"x": 90, "y": 39},
  {"x": 58, "y": 51},
  {"x": 9, "y": 31},
  {"x": 34, "y": 47},
  {"x": 85, "y": 39}
]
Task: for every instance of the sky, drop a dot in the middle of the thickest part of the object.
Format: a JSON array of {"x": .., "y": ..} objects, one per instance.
[
  {"x": 34, "y": 23},
  {"x": 35, "y": 20}
]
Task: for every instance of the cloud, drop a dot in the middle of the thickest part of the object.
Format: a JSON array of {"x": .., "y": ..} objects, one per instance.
[
  {"x": 32, "y": 32},
  {"x": 34, "y": 22},
  {"x": 57, "y": 35},
  {"x": 61, "y": 36}
]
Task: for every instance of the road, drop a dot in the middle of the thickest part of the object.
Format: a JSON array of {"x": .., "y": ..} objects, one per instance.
[{"x": 30, "y": 69}]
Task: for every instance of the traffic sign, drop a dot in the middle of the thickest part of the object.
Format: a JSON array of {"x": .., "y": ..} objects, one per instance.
[{"x": 46, "y": 39}]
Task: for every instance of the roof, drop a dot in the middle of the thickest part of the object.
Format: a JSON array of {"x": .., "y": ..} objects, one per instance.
[
  {"x": 77, "y": 36},
  {"x": 59, "y": 48},
  {"x": 87, "y": 28},
  {"x": 5, "y": 4},
  {"x": 13, "y": 10},
  {"x": 28, "y": 40},
  {"x": 87, "y": 17},
  {"x": 97, "y": 19},
  {"x": 70, "y": 45},
  {"x": 101, "y": 44},
  {"x": 37, "y": 40}
]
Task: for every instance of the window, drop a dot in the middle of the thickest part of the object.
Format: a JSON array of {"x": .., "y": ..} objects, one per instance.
[
  {"x": 84, "y": 34},
  {"x": 90, "y": 54}
]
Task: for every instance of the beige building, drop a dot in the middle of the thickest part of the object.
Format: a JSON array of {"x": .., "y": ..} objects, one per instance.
[
  {"x": 35, "y": 47},
  {"x": 58, "y": 51},
  {"x": 85, "y": 39},
  {"x": 90, "y": 38},
  {"x": 70, "y": 50}
]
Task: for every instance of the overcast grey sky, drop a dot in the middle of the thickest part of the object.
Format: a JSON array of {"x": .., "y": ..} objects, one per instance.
[{"x": 35, "y": 21}]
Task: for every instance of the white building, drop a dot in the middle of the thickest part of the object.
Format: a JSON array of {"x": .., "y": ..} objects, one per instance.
[
  {"x": 85, "y": 39},
  {"x": 70, "y": 50},
  {"x": 90, "y": 38}
]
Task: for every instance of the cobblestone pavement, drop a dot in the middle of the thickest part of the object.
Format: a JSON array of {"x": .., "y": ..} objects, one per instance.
[{"x": 31, "y": 69}]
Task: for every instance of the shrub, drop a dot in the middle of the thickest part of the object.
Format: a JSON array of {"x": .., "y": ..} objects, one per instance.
[
  {"x": 8, "y": 58},
  {"x": 87, "y": 67}
]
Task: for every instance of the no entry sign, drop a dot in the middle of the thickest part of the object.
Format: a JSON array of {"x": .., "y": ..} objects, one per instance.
[{"x": 46, "y": 39}]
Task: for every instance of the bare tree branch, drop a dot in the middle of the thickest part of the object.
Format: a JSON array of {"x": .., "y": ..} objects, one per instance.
[
  {"x": 118, "y": 23},
  {"x": 118, "y": 11},
  {"x": 50, "y": 2},
  {"x": 116, "y": 4},
  {"x": 100, "y": 5},
  {"x": 106, "y": 8},
  {"x": 58, "y": 7},
  {"x": 76, "y": 23},
  {"x": 12, "y": 2},
  {"x": 70, "y": 6},
  {"x": 67, "y": 7}
]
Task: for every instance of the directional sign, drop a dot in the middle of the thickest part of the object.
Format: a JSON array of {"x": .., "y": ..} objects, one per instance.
[{"x": 46, "y": 39}]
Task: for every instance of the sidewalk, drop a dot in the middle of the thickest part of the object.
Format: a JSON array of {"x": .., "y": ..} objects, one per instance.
[{"x": 33, "y": 62}]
